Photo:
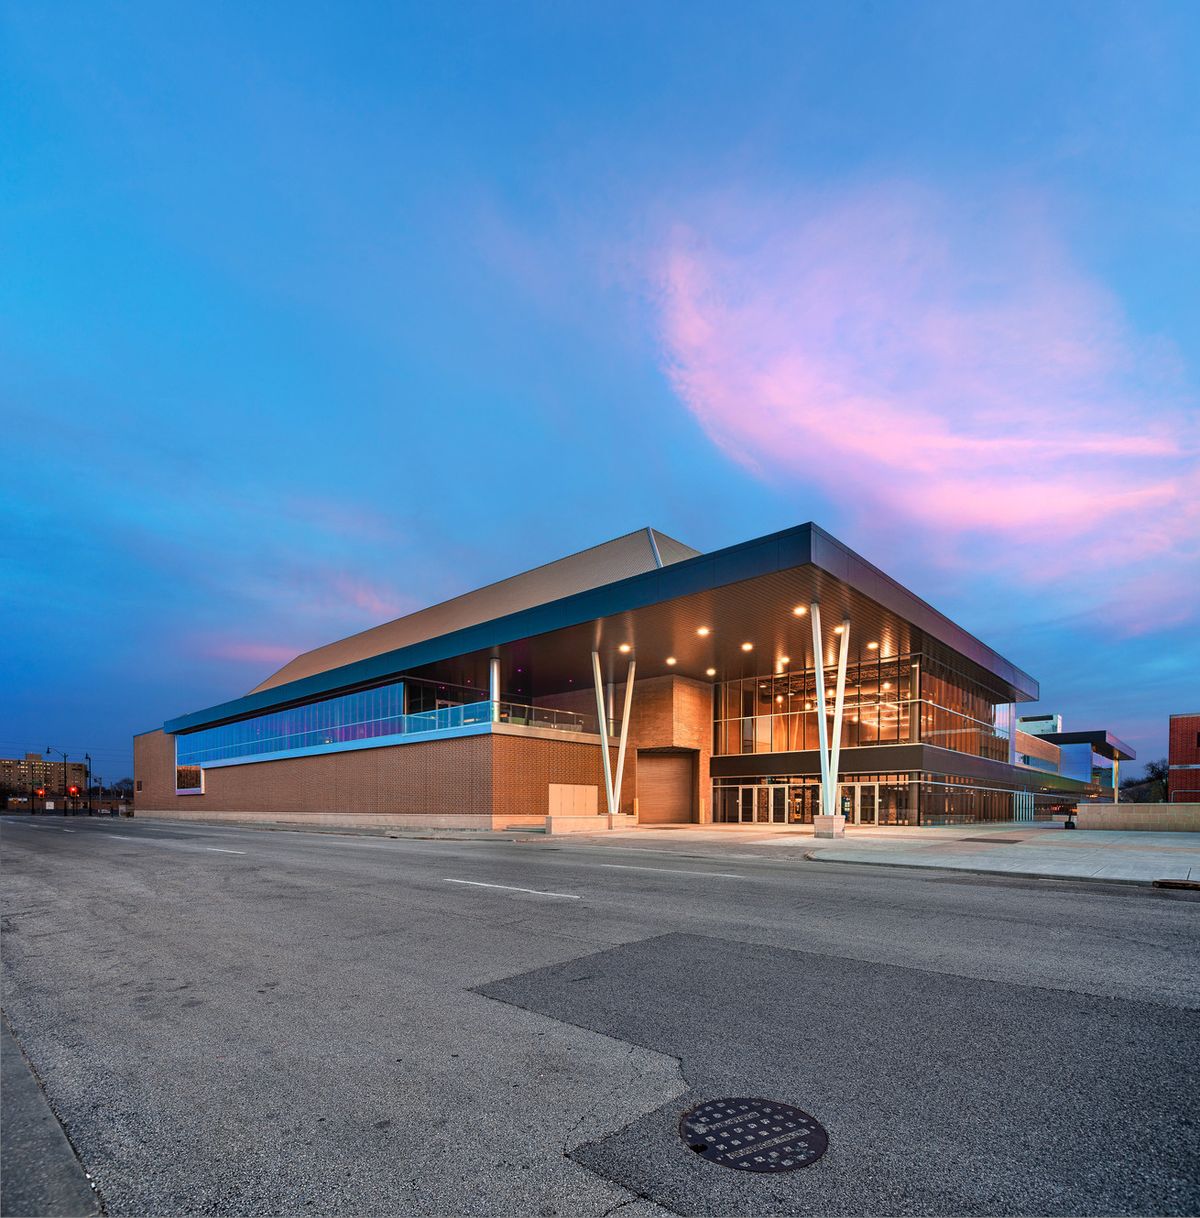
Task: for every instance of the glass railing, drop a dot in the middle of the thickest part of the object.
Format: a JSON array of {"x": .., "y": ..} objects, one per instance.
[
  {"x": 190, "y": 751},
  {"x": 546, "y": 716}
]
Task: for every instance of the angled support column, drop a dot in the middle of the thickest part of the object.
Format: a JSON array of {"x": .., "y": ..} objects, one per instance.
[
  {"x": 839, "y": 701},
  {"x": 624, "y": 736},
  {"x": 602, "y": 724},
  {"x": 814, "y": 613},
  {"x": 494, "y": 687}
]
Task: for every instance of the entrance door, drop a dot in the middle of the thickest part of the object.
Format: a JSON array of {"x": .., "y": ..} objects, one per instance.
[
  {"x": 805, "y": 803},
  {"x": 868, "y": 802},
  {"x": 746, "y": 805},
  {"x": 858, "y": 802},
  {"x": 778, "y": 798}
]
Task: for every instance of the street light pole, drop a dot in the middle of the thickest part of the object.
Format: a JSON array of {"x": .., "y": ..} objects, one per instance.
[
  {"x": 64, "y": 765},
  {"x": 88, "y": 758}
]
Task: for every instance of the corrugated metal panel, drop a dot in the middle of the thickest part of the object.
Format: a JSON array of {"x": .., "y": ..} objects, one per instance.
[{"x": 603, "y": 564}]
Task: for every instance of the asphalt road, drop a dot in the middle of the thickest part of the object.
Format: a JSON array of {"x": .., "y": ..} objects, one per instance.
[{"x": 232, "y": 1021}]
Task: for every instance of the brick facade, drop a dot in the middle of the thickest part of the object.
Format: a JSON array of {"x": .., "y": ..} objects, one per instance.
[
  {"x": 486, "y": 781},
  {"x": 493, "y": 780},
  {"x": 1183, "y": 759}
]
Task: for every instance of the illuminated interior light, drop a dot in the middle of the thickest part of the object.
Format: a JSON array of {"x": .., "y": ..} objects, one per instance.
[
  {"x": 711, "y": 672},
  {"x": 624, "y": 649},
  {"x": 800, "y": 610},
  {"x": 747, "y": 646},
  {"x": 671, "y": 660},
  {"x": 704, "y": 632},
  {"x": 838, "y": 629},
  {"x": 872, "y": 646},
  {"x": 785, "y": 659}
]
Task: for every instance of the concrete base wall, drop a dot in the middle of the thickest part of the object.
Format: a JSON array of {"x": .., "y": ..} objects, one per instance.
[
  {"x": 339, "y": 820},
  {"x": 1151, "y": 818}
]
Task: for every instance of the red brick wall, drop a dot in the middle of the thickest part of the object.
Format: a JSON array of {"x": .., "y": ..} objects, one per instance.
[
  {"x": 435, "y": 776},
  {"x": 1183, "y": 784},
  {"x": 524, "y": 767}
]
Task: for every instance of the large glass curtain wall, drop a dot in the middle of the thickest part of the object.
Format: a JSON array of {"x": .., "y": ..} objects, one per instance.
[{"x": 893, "y": 700}]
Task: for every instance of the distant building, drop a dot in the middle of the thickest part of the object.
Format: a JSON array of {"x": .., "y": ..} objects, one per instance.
[
  {"x": 1040, "y": 725},
  {"x": 20, "y": 776},
  {"x": 1093, "y": 757},
  {"x": 1183, "y": 760}
]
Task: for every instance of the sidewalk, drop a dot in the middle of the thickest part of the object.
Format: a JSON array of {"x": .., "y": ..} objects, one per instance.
[{"x": 1028, "y": 849}]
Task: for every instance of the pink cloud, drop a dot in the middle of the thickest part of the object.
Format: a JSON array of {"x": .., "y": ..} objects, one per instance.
[
  {"x": 250, "y": 652},
  {"x": 941, "y": 371}
]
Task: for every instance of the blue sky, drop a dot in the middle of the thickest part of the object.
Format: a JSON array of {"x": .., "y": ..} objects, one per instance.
[{"x": 315, "y": 314}]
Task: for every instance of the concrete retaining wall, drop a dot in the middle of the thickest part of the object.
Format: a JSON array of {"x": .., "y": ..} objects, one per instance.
[{"x": 1152, "y": 818}]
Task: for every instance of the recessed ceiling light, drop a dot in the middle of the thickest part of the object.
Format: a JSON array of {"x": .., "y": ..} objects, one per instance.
[
  {"x": 624, "y": 649},
  {"x": 710, "y": 672},
  {"x": 779, "y": 697},
  {"x": 747, "y": 646},
  {"x": 887, "y": 685},
  {"x": 800, "y": 610},
  {"x": 872, "y": 646},
  {"x": 704, "y": 632},
  {"x": 838, "y": 629},
  {"x": 671, "y": 660},
  {"x": 785, "y": 659}
]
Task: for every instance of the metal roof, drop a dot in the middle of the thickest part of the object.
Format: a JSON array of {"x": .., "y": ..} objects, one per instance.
[
  {"x": 744, "y": 593},
  {"x": 1102, "y": 742},
  {"x": 611, "y": 561}
]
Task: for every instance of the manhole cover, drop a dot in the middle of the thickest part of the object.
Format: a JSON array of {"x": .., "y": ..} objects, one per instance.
[{"x": 753, "y": 1135}]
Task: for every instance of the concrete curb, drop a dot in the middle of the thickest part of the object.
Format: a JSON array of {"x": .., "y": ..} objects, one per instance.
[
  {"x": 814, "y": 856},
  {"x": 42, "y": 1173}
]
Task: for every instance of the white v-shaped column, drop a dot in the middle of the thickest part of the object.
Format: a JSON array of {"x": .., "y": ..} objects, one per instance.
[
  {"x": 830, "y": 753},
  {"x": 612, "y": 786}
]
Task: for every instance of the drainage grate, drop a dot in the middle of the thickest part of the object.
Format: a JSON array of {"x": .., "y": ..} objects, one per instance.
[{"x": 753, "y": 1135}]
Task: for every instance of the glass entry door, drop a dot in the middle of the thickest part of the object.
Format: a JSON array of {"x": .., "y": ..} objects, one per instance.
[
  {"x": 858, "y": 802},
  {"x": 868, "y": 802},
  {"x": 746, "y": 805}
]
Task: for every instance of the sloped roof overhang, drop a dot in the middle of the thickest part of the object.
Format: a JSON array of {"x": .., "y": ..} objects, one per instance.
[{"x": 744, "y": 593}]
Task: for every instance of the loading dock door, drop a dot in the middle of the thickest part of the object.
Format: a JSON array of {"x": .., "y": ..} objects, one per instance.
[{"x": 665, "y": 788}]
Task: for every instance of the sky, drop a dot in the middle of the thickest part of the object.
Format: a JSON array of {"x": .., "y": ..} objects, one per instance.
[{"x": 312, "y": 315}]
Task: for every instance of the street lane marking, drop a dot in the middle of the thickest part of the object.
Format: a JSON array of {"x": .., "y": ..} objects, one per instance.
[
  {"x": 724, "y": 875},
  {"x": 222, "y": 850},
  {"x": 537, "y": 892},
  {"x": 68, "y": 830}
]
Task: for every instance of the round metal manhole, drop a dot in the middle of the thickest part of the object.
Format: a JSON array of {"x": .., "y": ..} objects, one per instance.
[{"x": 753, "y": 1135}]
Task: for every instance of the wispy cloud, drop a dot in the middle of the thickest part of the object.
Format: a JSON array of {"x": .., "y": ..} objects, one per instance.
[{"x": 948, "y": 370}]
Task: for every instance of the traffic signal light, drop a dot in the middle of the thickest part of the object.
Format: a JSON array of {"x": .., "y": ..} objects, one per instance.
[
  {"x": 74, "y": 790},
  {"x": 40, "y": 792}
]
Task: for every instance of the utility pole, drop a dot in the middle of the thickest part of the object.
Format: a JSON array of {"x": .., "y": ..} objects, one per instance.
[
  {"x": 88, "y": 758},
  {"x": 64, "y": 765}
]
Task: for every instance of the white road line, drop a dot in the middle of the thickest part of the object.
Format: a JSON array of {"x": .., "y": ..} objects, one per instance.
[
  {"x": 724, "y": 875},
  {"x": 222, "y": 850},
  {"x": 537, "y": 892},
  {"x": 68, "y": 830}
]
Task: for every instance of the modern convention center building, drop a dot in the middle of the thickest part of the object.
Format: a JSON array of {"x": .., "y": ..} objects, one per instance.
[{"x": 639, "y": 682}]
